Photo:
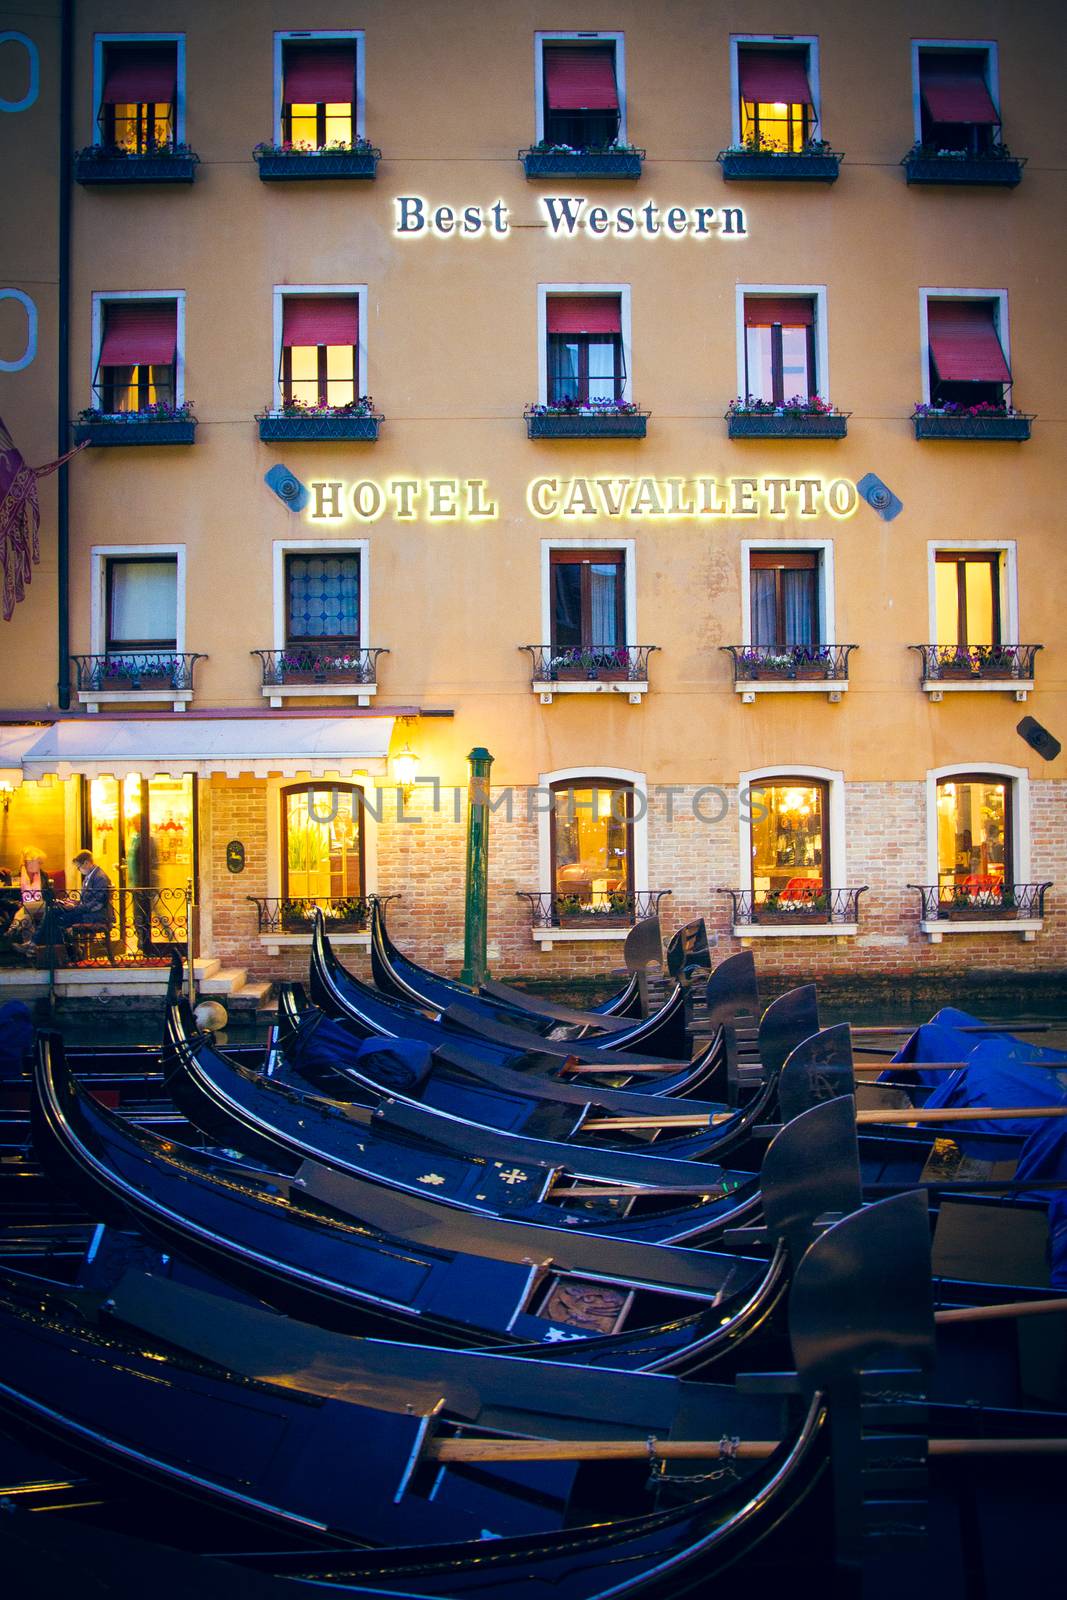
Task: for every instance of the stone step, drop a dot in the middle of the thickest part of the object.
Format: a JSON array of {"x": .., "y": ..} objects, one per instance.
[
  {"x": 255, "y": 992},
  {"x": 224, "y": 981},
  {"x": 206, "y": 967}
]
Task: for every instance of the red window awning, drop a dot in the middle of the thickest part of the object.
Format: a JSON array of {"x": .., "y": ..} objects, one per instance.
[
  {"x": 774, "y": 77},
  {"x": 584, "y": 313},
  {"x": 581, "y": 79},
  {"x": 954, "y": 89},
  {"x": 320, "y": 319},
  {"x": 762, "y": 311},
  {"x": 319, "y": 75},
  {"x": 964, "y": 342},
  {"x": 137, "y": 76},
  {"x": 140, "y": 333}
]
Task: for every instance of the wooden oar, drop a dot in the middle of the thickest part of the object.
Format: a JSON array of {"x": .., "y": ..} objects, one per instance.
[
  {"x": 497, "y": 1450},
  {"x": 1006, "y": 1308},
  {"x": 863, "y": 1118},
  {"x": 592, "y": 1192},
  {"x": 624, "y": 1072}
]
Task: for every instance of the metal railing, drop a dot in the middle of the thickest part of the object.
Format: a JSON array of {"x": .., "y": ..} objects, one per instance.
[
  {"x": 797, "y": 905},
  {"x": 963, "y": 662},
  {"x": 759, "y": 662},
  {"x": 317, "y": 664},
  {"x": 595, "y": 662},
  {"x": 136, "y": 670},
  {"x": 137, "y": 927},
  {"x": 283, "y": 914},
  {"x": 984, "y": 897},
  {"x": 618, "y": 908}
]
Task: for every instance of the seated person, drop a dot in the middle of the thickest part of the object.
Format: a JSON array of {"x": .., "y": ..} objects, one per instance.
[
  {"x": 33, "y": 881},
  {"x": 92, "y": 906}
]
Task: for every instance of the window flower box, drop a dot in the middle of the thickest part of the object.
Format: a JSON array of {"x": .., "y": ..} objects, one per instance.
[
  {"x": 295, "y": 421},
  {"x": 792, "y": 916},
  {"x": 162, "y": 423},
  {"x": 614, "y": 419},
  {"x": 101, "y": 164},
  {"x": 546, "y": 160},
  {"x": 802, "y": 417},
  {"x": 981, "y": 908},
  {"x": 953, "y": 421},
  {"x": 287, "y": 163},
  {"x": 995, "y": 168},
  {"x": 748, "y": 163}
]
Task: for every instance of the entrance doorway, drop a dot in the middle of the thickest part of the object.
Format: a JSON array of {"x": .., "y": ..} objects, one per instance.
[{"x": 143, "y": 833}]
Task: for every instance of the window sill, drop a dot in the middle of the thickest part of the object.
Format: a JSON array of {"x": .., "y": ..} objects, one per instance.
[
  {"x": 275, "y": 943},
  {"x": 277, "y": 692},
  {"x": 547, "y": 688},
  {"x": 1026, "y": 927},
  {"x": 93, "y": 699},
  {"x": 547, "y": 937},
  {"x": 810, "y": 930},
  {"x": 937, "y": 688},
  {"x": 832, "y": 688}
]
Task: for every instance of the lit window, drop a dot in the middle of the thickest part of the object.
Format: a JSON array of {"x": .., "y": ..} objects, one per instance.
[
  {"x": 974, "y": 822},
  {"x": 320, "y": 350},
  {"x": 138, "y": 355},
  {"x": 138, "y": 98},
  {"x": 777, "y": 105},
  {"x": 319, "y": 93},
  {"x": 790, "y": 838},
  {"x": 967, "y": 598},
  {"x": 779, "y": 348},
  {"x": 322, "y": 847},
  {"x": 956, "y": 106},
  {"x": 592, "y": 842},
  {"x": 585, "y": 355},
  {"x": 581, "y": 104}
]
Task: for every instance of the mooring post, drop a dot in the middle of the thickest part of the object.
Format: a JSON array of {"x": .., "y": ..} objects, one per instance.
[{"x": 475, "y": 968}]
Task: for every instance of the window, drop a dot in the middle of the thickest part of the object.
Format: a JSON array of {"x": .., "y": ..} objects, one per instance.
[
  {"x": 588, "y": 599},
  {"x": 790, "y": 837},
  {"x": 139, "y": 96},
  {"x": 967, "y": 598},
  {"x": 320, "y": 349},
  {"x": 967, "y": 364},
  {"x": 581, "y": 94},
  {"x": 322, "y": 598},
  {"x": 141, "y": 603},
  {"x": 974, "y": 832},
  {"x": 322, "y": 841},
  {"x": 138, "y": 360},
  {"x": 784, "y": 597},
  {"x": 956, "y": 108},
  {"x": 319, "y": 91},
  {"x": 779, "y": 348},
  {"x": 592, "y": 854},
  {"x": 585, "y": 350},
  {"x": 776, "y": 101}
]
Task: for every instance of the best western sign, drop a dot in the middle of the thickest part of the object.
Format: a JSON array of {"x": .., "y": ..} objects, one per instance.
[
  {"x": 583, "y": 499},
  {"x": 567, "y": 217}
]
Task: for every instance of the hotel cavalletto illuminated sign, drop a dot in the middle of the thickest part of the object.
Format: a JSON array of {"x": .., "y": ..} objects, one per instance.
[{"x": 613, "y": 499}]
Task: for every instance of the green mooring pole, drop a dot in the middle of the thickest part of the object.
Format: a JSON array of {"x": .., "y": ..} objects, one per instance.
[{"x": 475, "y": 969}]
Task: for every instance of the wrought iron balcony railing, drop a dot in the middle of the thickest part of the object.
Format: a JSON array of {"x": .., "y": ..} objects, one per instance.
[
  {"x": 982, "y": 897},
  {"x": 563, "y": 162},
  {"x": 136, "y": 671},
  {"x": 344, "y": 914},
  {"x": 617, "y": 908},
  {"x": 1012, "y": 427},
  {"x": 780, "y": 166},
  {"x": 596, "y": 662},
  {"x": 130, "y": 927},
  {"x": 767, "y": 662},
  {"x": 801, "y": 903},
  {"x": 966, "y": 663},
  {"x": 318, "y": 665},
  {"x": 991, "y": 168}
]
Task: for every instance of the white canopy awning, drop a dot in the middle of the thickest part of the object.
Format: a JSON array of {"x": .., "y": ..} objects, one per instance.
[
  {"x": 261, "y": 747},
  {"x": 14, "y": 743}
]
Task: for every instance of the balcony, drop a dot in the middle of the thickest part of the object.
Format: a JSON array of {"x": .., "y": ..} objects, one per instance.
[
  {"x": 801, "y": 909},
  {"x": 981, "y": 903},
  {"x": 282, "y": 427},
  {"x": 790, "y": 669},
  {"x": 778, "y": 422},
  {"x": 590, "y": 669},
  {"x": 821, "y": 165},
  {"x": 621, "y": 421},
  {"x": 987, "y": 668},
  {"x": 996, "y": 168},
  {"x": 143, "y": 675},
  {"x": 170, "y": 426},
  {"x": 280, "y": 165},
  {"x": 561, "y": 161},
  {"x": 282, "y": 922},
  {"x": 1010, "y": 426},
  {"x": 588, "y": 914},
  {"x": 299, "y": 671},
  {"x": 100, "y": 164}
]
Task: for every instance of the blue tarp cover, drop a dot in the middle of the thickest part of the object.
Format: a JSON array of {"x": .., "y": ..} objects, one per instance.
[{"x": 401, "y": 1064}]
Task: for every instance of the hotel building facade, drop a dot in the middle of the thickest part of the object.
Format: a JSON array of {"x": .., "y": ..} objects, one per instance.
[{"x": 672, "y": 412}]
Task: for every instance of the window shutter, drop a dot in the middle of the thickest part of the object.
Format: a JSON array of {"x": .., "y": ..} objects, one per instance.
[
  {"x": 140, "y": 333},
  {"x": 139, "y": 76},
  {"x": 320, "y": 319},
  {"x": 581, "y": 78},
  {"x": 964, "y": 343},
  {"x": 774, "y": 77},
  {"x": 761, "y": 312},
  {"x": 320, "y": 74},
  {"x": 584, "y": 313},
  {"x": 954, "y": 87}
]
